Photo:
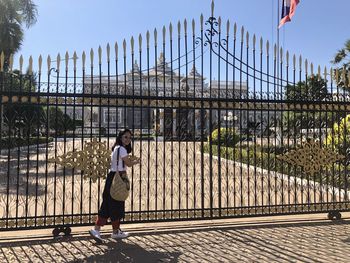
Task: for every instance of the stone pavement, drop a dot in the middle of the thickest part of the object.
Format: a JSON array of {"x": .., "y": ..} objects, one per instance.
[{"x": 300, "y": 238}]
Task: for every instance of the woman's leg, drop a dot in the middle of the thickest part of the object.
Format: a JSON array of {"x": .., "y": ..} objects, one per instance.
[
  {"x": 117, "y": 213},
  {"x": 116, "y": 225},
  {"x": 103, "y": 212},
  {"x": 100, "y": 221}
]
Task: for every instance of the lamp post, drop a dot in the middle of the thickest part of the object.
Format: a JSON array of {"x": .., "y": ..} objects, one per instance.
[
  {"x": 230, "y": 119},
  {"x": 48, "y": 88}
]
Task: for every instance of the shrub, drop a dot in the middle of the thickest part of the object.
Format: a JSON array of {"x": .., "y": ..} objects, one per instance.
[
  {"x": 339, "y": 139},
  {"x": 228, "y": 137}
]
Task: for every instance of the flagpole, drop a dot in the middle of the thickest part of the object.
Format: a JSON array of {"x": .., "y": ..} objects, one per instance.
[{"x": 278, "y": 41}]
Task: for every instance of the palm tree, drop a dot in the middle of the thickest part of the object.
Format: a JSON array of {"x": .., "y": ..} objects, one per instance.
[
  {"x": 14, "y": 15},
  {"x": 342, "y": 61}
]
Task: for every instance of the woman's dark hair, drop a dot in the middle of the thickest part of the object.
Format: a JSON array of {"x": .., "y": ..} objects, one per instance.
[{"x": 118, "y": 141}]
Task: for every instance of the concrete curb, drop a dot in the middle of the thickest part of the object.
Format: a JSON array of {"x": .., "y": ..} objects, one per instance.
[{"x": 179, "y": 226}]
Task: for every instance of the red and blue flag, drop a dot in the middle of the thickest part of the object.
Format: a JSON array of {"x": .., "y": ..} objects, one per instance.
[{"x": 288, "y": 10}]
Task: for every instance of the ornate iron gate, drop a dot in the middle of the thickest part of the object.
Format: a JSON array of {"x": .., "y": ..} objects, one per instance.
[{"x": 223, "y": 129}]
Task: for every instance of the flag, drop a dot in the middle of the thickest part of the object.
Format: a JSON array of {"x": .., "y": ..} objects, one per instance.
[{"x": 288, "y": 10}]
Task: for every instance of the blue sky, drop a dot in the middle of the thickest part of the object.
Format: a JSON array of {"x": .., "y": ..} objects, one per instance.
[{"x": 318, "y": 30}]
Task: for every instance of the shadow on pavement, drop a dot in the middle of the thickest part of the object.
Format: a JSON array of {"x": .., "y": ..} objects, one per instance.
[
  {"x": 84, "y": 249},
  {"x": 306, "y": 241},
  {"x": 119, "y": 251}
]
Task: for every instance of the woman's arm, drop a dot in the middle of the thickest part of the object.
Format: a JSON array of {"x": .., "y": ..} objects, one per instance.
[{"x": 130, "y": 161}]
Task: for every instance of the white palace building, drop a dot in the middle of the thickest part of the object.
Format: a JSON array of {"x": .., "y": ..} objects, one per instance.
[{"x": 165, "y": 83}]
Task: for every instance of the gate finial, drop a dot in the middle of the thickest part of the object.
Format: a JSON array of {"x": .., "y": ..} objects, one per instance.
[
  {"x": 75, "y": 57},
  {"x": 124, "y": 48},
  {"x": 92, "y": 57},
  {"x": 171, "y": 31},
  {"x": 40, "y": 62},
  {"x": 66, "y": 60},
  {"x": 20, "y": 64},
  {"x": 185, "y": 27},
  {"x": 227, "y": 28},
  {"x": 267, "y": 48},
  {"x": 294, "y": 61},
  {"x": 219, "y": 24},
  {"x": 306, "y": 66},
  {"x": 58, "y": 62},
  {"x": 132, "y": 43},
  {"x": 99, "y": 55},
  {"x": 48, "y": 62},
  {"x": 30, "y": 68},
  {"x": 247, "y": 39},
  {"x": 201, "y": 19},
  {"x": 235, "y": 31},
  {"x": 281, "y": 55},
  {"x": 140, "y": 42},
  {"x": 254, "y": 41},
  {"x": 164, "y": 34},
  {"x": 83, "y": 58},
  {"x": 155, "y": 36},
  {"x": 212, "y": 8},
  {"x": 147, "y": 38},
  {"x": 193, "y": 28},
  {"x": 108, "y": 49},
  {"x": 116, "y": 50},
  {"x": 331, "y": 74}
]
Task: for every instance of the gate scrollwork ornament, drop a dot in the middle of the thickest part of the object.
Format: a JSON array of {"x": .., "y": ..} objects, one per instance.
[
  {"x": 94, "y": 160},
  {"x": 311, "y": 157}
]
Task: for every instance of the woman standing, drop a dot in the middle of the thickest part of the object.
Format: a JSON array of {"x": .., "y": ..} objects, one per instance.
[{"x": 111, "y": 208}]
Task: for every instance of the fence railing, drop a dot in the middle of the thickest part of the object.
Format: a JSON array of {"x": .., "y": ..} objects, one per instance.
[{"x": 223, "y": 128}]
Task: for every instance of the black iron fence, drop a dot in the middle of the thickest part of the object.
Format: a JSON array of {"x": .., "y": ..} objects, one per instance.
[{"x": 224, "y": 124}]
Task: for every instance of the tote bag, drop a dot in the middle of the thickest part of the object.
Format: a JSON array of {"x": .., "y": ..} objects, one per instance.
[{"x": 120, "y": 186}]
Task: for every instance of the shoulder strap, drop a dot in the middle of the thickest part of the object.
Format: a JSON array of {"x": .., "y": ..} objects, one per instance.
[{"x": 118, "y": 158}]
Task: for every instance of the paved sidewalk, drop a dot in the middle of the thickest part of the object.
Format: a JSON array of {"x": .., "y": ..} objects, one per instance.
[{"x": 275, "y": 239}]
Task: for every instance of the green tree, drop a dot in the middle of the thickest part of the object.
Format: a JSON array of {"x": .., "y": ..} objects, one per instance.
[
  {"x": 22, "y": 119},
  {"x": 312, "y": 90},
  {"x": 15, "y": 82},
  {"x": 60, "y": 122},
  {"x": 342, "y": 62},
  {"x": 14, "y": 16}
]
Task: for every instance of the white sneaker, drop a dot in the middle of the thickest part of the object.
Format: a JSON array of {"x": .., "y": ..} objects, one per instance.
[
  {"x": 95, "y": 235},
  {"x": 120, "y": 234}
]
